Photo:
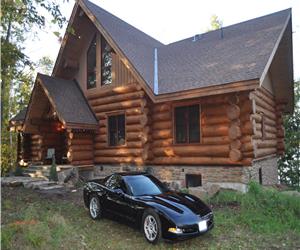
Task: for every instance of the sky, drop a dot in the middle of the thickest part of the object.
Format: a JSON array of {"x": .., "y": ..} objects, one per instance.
[{"x": 172, "y": 20}]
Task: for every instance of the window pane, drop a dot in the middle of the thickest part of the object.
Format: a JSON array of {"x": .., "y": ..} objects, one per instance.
[
  {"x": 194, "y": 125},
  {"x": 121, "y": 129},
  {"x": 106, "y": 62},
  {"x": 91, "y": 65},
  {"x": 116, "y": 126},
  {"x": 180, "y": 124}
]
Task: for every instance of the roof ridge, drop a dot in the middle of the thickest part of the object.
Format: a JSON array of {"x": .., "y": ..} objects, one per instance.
[
  {"x": 97, "y": 6},
  {"x": 235, "y": 24}
]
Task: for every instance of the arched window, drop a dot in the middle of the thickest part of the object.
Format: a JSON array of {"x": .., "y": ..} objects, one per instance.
[{"x": 91, "y": 65}]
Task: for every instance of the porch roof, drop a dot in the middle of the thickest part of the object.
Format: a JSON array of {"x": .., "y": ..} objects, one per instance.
[{"x": 66, "y": 99}]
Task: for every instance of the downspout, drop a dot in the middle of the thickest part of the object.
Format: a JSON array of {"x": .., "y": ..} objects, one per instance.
[{"x": 155, "y": 73}]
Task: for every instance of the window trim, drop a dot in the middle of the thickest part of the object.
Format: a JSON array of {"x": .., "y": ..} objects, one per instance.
[
  {"x": 185, "y": 104},
  {"x": 115, "y": 113},
  {"x": 88, "y": 87}
]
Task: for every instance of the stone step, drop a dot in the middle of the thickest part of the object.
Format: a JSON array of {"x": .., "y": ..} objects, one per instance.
[
  {"x": 14, "y": 181},
  {"x": 51, "y": 187},
  {"x": 37, "y": 184}
]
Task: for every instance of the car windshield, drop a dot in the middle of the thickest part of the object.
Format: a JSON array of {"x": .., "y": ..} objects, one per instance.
[{"x": 144, "y": 185}]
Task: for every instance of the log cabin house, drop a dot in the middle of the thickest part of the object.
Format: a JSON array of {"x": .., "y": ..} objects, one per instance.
[{"x": 205, "y": 109}]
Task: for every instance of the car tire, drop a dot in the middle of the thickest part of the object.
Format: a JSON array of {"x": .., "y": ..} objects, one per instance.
[
  {"x": 151, "y": 226},
  {"x": 95, "y": 208}
]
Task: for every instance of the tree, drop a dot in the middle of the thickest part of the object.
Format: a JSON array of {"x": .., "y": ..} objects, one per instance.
[
  {"x": 20, "y": 20},
  {"x": 45, "y": 65},
  {"x": 289, "y": 164},
  {"x": 215, "y": 23}
]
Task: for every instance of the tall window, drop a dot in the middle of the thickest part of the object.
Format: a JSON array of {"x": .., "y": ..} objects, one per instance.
[
  {"x": 187, "y": 124},
  {"x": 116, "y": 128},
  {"x": 91, "y": 65},
  {"x": 106, "y": 62}
]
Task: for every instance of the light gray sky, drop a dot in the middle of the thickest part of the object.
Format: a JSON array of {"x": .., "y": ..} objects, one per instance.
[{"x": 173, "y": 20}]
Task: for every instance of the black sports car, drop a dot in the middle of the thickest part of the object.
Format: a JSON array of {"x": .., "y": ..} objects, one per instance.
[{"x": 143, "y": 199}]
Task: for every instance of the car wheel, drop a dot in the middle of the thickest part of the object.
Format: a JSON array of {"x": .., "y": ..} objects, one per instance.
[
  {"x": 95, "y": 207},
  {"x": 151, "y": 226}
]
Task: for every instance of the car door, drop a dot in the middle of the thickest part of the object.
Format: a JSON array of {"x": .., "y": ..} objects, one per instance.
[{"x": 118, "y": 199}]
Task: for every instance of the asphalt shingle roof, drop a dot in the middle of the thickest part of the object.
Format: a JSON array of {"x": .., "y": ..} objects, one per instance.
[
  {"x": 240, "y": 54},
  {"x": 69, "y": 100}
]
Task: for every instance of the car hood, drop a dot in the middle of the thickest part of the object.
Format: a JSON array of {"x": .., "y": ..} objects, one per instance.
[{"x": 180, "y": 207}]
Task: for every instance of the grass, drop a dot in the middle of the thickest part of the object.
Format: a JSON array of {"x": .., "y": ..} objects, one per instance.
[{"x": 261, "y": 219}]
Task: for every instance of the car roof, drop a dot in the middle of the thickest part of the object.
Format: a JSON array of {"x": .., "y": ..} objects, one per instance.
[{"x": 132, "y": 173}]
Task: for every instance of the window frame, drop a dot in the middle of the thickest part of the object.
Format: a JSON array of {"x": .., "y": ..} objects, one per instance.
[
  {"x": 185, "y": 104},
  {"x": 88, "y": 86},
  {"x": 117, "y": 113}
]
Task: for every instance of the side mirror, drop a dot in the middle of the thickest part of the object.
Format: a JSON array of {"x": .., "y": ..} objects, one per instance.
[{"x": 119, "y": 192}]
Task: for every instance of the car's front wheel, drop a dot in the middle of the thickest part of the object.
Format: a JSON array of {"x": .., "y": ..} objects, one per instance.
[
  {"x": 151, "y": 226},
  {"x": 95, "y": 207}
]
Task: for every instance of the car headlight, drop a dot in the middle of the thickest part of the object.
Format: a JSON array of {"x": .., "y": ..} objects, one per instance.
[{"x": 175, "y": 230}]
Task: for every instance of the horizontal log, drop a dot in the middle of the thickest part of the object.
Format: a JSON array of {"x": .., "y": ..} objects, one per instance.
[
  {"x": 265, "y": 152},
  {"x": 248, "y": 154},
  {"x": 267, "y": 113},
  {"x": 82, "y": 162},
  {"x": 233, "y": 111},
  {"x": 266, "y": 143},
  {"x": 134, "y": 128},
  {"x": 267, "y": 98},
  {"x": 137, "y": 119},
  {"x": 235, "y": 144},
  {"x": 101, "y": 138},
  {"x": 213, "y": 120},
  {"x": 235, "y": 155},
  {"x": 215, "y": 130},
  {"x": 262, "y": 103},
  {"x": 75, "y": 148},
  {"x": 115, "y": 91},
  {"x": 161, "y": 116},
  {"x": 119, "y": 152},
  {"x": 162, "y": 125},
  {"x": 84, "y": 155},
  {"x": 137, "y": 136},
  {"x": 258, "y": 118},
  {"x": 117, "y": 98},
  {"x": 214, "y": 110},
  {"x": 162, "y": 143},
  {"x": 246, "y": 138},
  {"x": 159, "y": 108},
  {"x": 246, "y": 107},
  {"x": 246, "y": 147},
  {"x": 118, "y": 160},
  {"x": 194, "y": 161},
  {"x": 216, "y": 140},
  {"x": 82, "y": 142},
  {"x": 199, "y": 150},
  {"x": 234, "y": 132},
  {"x": 137, "y": 111},
  {"x": 247, "y": 128},
  {"x": 120, "y": 105},
  {"x": 161, "y": 134}
]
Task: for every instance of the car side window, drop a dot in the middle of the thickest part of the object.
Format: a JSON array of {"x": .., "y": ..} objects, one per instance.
[{"x": 114, "y": 182}]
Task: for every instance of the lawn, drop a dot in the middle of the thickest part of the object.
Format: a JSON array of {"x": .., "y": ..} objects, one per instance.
[{"x": 258, "y": 220}]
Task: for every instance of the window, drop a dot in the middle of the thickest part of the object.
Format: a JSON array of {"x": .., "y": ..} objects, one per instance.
[
  {"x": 116, "y": 127},
  {"x": 106, "y": 62},
  {"x": 260, "y": 176},
  {"x": 187, "y": 124},
  {"x": 91, "y": 65},
  {"x": 114, "y": 182},
  {"x": 193, "y": 180}
]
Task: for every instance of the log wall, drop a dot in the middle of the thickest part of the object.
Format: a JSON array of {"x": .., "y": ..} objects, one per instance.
[
  {"x": 35, "y": 148},
  {"x": 268, "y": 138},
  {"x": 222, "y": 131},
  {"x": 80, "y": 148},
  {"x": 129, "y": 100}
]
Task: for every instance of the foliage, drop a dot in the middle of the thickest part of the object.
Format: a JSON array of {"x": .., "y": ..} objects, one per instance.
[
  {"x": 20, "y": 20},
  {"x": 53, "y": 171},
  {"x": 45, "y": 65},
  {"x": 215, "y": 23},
  {"x": 289, "y": 164},
  {"x": 263, "y": 210}
]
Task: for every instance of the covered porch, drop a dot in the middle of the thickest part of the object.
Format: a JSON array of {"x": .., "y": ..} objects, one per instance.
[{"x": 57, "y": 122}]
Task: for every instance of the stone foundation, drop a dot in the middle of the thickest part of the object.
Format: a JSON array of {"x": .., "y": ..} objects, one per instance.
[{"x": 229, "y": 177}]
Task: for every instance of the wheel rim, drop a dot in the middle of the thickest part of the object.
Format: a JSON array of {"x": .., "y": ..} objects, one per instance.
[
  {"x": 150, "y": 228},
  {"x": 94, "y": 207}
]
